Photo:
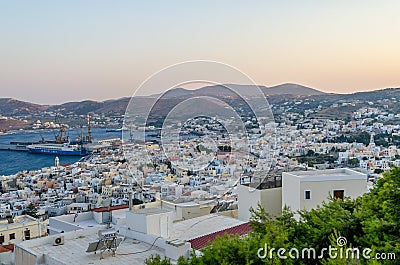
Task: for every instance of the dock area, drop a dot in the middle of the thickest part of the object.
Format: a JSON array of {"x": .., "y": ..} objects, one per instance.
[{"x": 13, "y": 147}]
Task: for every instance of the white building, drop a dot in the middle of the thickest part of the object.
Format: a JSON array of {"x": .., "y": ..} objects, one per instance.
[
  {"x": 145, "y": 232},
  {"x": 20, "y": 228},
  {"x": 305, "y": 190},
  {"x": 301, "y": 190},
  {"x": 269, "y": 198},
  {"x": 343, "y": 157},
  {"x": 164, "y": 228},
  {"x": 171, "y": 189}
]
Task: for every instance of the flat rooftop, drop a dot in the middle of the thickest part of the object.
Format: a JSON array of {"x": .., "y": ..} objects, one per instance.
[
  {"x": 73, "y": 251},
  {"x": 83, "y": 220},
  {"x": 203, "y": 225},
  {"x": 327, "y": 174},
  {"x": 152, "y": 211},
  {"x": 18, "y": 221},
  {"x": 193, "y": 203}
]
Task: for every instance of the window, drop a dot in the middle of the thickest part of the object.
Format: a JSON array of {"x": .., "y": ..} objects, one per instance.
[
  {"x": 307, "y": 195},
  {"x": 27, "y": 234},
  {"x": 1, "y": 239},
  {"x": 338, "y": 194},
  {"x": 12, "y": 236}
]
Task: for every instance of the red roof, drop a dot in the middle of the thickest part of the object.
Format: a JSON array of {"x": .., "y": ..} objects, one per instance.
[
  {"x": 7, "y": 248},
  {"x": 111, "y": 208},
  {"x": 201, "y": 242}
]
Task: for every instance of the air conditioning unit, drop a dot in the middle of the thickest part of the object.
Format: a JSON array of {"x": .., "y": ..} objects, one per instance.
[{"x": 58, "y": 241}]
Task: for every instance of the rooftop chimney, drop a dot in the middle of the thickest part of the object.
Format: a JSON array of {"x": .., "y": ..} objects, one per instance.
[{"x": 130, "y": 200}]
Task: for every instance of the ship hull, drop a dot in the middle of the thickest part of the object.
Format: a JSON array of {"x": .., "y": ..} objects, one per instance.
[{"x": 58, "y": 152}]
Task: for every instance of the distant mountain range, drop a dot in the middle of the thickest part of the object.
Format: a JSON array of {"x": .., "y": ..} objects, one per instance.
[
  {"x": 10, "y": 107},
  {"x": 243, "y": 90},
  {"x": 291, "y": 89}
]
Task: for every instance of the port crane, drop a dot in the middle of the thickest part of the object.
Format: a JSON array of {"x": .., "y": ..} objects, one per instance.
[
  {"x": 62, "y": 137},
  {"x": 82, "y": 138}
]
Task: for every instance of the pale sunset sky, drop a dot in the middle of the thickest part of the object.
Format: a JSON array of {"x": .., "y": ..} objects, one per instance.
[{"x": 58, "y": 51}]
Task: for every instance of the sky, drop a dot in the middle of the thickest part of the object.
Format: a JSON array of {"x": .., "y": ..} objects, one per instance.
[{"x": 58, "y": 51}]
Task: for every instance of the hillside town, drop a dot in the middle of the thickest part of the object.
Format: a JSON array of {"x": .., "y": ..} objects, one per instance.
[
  {"x": 124, "y": 175},
  {"x": 199, "y": 133}
]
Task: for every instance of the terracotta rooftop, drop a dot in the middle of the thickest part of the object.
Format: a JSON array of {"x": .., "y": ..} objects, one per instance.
[
  {"x": 111, "y": 208},
  {"x": 7, "y": 248},
  {"x": 203, "y": 241}
]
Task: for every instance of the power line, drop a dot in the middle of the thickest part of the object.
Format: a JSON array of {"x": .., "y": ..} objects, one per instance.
[{"x": 142, "y": 251}]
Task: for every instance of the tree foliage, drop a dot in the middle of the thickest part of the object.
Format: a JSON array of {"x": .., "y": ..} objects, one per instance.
[
  {"x": 31, "y": 210},
  {"x": 354, "y": 162},
  {"x": 371, "y": 221}
]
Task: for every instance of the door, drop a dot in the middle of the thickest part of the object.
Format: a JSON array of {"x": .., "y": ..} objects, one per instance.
[
  {"x": 27, "y": 234},
  {"x": 338, "y": 194}
]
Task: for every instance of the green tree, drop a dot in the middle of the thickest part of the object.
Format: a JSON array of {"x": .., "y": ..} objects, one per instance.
[
  {"x": 354, "y": 162},
  {"x": 32, "y": 210},
  {"x": 315, "y": 226},
  {"x": 156, "y": 260},
  {"x": 340, "y": 260},
  {"x": 310, "y": 153},
  {"x": 379, "y": 213}
]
